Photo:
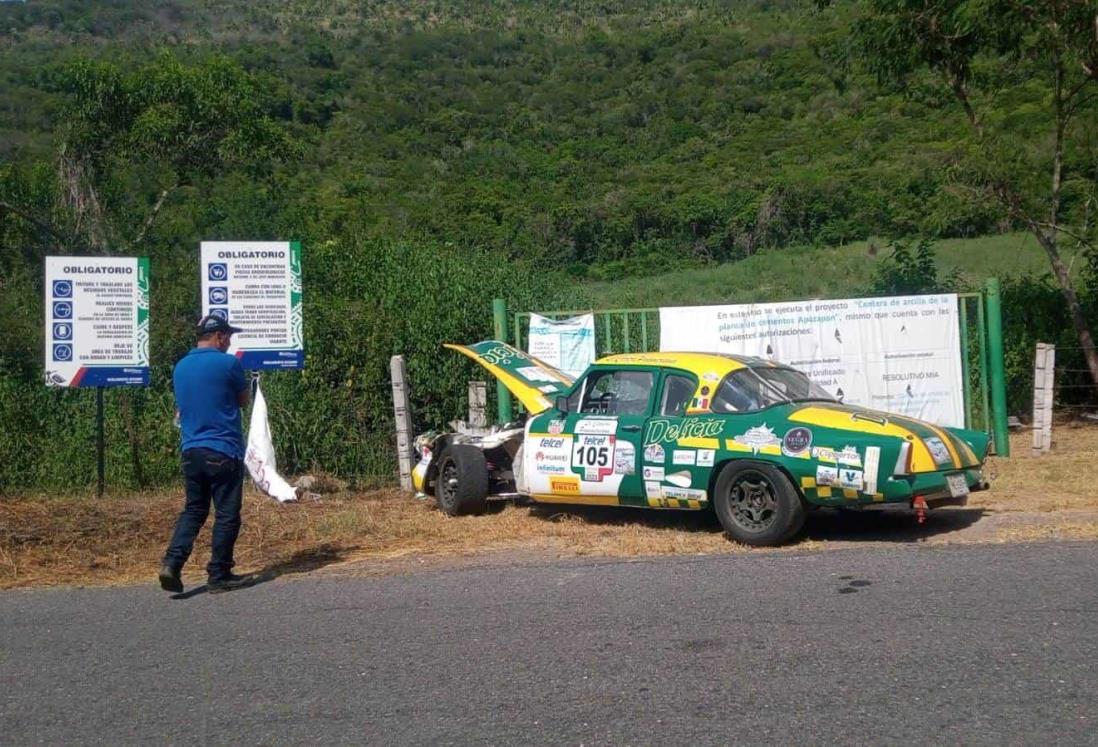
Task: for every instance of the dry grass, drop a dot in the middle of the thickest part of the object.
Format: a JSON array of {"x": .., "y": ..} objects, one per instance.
[
  {"x": 1064, "y": 479},
  {"x": 47, "y": 540}
]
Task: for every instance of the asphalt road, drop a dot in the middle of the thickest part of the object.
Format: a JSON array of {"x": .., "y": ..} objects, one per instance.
[{"x": 973, "y": 644}]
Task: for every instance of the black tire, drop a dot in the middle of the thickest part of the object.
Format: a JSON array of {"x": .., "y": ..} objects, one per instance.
[
  {"x": 757, "y": 504},
  {"x": 462, "y": 484}
]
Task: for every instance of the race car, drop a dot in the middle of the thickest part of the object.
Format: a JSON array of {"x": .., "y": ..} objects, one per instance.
[{"x": 754, "y": 440}]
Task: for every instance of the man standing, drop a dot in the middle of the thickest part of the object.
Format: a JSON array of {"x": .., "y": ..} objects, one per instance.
[{"x": 210, "y": 389}]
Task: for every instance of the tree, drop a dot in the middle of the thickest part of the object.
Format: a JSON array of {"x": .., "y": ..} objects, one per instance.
[
  {"x": 131, "y": 139},
  {"x": 1024, "y": 74}
]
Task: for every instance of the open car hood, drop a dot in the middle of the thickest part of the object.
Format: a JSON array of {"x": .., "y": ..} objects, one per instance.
[{"x": 534, "y": 383}]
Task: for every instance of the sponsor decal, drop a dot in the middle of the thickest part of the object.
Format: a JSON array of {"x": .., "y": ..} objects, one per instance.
[
  {"x": 667, "y": 431},
  {"x": 872, "y": 461},
  {"x": 533, "y": 373},
  {"x": 827, "y": 476},
  {"x": 597, "y": 426},
  {"x": 565, "y": 485},
  {"x": 556, "y": 426},
  {"x": 848, "y": 456},
  {"x": 625, "y": 458},
  {"x": 595, "y": 456},
  {"x": 797, "y": 442},
  {"x": 679, "y": 456},
  {"x": 654, "y": 453},
  {"x": 938, "y": 450},
  {"x": 549, "y": 468},
  {"x": 680, "y": 479},
  {"x": 551, "y": 443},
  {"x": 850, "y": 478},
  {"x": 648, "y": 472},
  {"x": 758, "y": 437},
  {"x": 652, "y": 490},
  {"x": 683, "y": 493},
  {"x": 705, "y": 457},
  {"x": 712, "y": 376}
]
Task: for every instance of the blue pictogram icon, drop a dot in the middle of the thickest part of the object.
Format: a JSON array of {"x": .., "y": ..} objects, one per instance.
[
  {"x": 219, "y": 294},
  {"x": 62, "y": 331},
  {"x": 62, "y": 310},
  {"x": 221, "y": 313},
  {"x": 62, "y": 289},
  {"x": 218, "y": 271},
  {"x": 62, "y": 352}
]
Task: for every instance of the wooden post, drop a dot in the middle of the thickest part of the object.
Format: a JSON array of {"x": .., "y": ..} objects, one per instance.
[
  {"x": 1044, "y": 376},
  {"x": 402, "y": 411},
  {"x": 478, "y": 404}
]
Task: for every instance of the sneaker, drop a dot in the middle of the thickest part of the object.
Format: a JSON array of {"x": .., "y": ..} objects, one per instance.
[
  {"x": 169, "y": 579},
  {"x": 229, "y": 582}
]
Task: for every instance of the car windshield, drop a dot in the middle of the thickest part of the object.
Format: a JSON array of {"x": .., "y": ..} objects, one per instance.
[{"x": 752, "y": 389}]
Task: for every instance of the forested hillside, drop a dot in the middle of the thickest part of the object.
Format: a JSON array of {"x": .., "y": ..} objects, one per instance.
[{"x": 429, "y": 155}]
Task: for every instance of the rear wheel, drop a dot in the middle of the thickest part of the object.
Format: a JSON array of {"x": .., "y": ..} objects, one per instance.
[
  {"x": 757, "y": 504},
  {"x": 462, "y": 485}
]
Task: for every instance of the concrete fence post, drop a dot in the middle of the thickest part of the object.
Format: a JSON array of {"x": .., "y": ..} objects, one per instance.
[
  {"x": 1044, "y": 378},
  {"x": 402, "y": 412}
]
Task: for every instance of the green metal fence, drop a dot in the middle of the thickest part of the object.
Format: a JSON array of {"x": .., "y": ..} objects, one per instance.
[{"x": 638, "y": 330}]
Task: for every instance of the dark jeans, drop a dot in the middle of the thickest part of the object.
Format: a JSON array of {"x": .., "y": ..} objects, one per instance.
[{"x": 208, "y": 475}]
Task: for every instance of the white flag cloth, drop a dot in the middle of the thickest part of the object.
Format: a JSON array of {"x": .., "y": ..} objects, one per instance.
[{"x": 260, "y": 456}]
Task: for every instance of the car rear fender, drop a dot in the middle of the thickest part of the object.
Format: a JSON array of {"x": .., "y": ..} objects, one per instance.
[{"x": 720, "y": 466}]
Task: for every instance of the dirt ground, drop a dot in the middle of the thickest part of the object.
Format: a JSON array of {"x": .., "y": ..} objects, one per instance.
[{"x": 77, "y": 540}]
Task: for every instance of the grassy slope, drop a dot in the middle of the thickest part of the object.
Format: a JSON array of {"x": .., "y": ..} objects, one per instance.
[{"x": 810, "y": 272}]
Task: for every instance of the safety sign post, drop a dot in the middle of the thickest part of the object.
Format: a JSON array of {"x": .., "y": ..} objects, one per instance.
[
  {"x": 97, "y": 329},
  {"x": 256, "y": 286}
]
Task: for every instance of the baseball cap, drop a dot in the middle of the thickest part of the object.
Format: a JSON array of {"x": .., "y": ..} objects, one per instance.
[{"x": 213, "y": 323}]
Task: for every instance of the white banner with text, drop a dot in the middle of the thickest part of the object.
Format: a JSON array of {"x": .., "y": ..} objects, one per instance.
[
  {"x": 565, "y": 344},
  {"x": 900, "y": 354}
]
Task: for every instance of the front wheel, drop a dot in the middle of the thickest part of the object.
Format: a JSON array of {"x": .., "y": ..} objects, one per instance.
[
  {"x": 462, "y": 484},
  {"x": 757, "y": 504}
]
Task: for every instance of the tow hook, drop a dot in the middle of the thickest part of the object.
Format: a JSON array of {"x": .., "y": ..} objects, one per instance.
[{"x": 919, "y": 504}]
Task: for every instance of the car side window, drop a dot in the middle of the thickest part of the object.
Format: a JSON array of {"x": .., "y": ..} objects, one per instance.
[
  {"x": 678, "y": 390},
  {"x": 621, "y": 392},
  {"x": 739, "y": 392}
]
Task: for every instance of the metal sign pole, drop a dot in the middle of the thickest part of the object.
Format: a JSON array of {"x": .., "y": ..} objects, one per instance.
[{"x": 100, "y": 459}]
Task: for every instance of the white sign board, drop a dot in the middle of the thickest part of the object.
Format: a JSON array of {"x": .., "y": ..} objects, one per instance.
[
  {"x": 900, "y": 354},
  {"x": 567, "y": 345},
  {"x": 97, "y": 321},
  {"x": 256, "y": 286}
]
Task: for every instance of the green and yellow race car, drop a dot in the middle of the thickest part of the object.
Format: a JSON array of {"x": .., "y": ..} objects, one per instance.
[{"x": 755, "y": 440}]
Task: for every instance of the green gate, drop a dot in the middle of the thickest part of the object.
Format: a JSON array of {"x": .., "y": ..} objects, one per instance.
[{"x": 638, "y": 330}]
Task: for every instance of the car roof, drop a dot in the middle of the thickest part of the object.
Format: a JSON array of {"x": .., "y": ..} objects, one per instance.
[{"x": 698, "y": 363}]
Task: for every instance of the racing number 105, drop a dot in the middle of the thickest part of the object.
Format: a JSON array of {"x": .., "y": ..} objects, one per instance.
[{"x": 591, "y": 456}]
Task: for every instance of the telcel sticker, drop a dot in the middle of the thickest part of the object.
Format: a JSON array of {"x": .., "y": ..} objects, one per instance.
[
  {"x": 681, "y": 456},
  {"x": 595, "y": 456}
]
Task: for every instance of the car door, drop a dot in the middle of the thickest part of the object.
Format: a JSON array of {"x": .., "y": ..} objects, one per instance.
[
  {"x": 589, "y": 452},
  {"x": 677, "y": 458}
]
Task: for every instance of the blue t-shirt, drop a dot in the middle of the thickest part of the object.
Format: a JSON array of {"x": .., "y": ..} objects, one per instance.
[{"x": 207, "y": 383}]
